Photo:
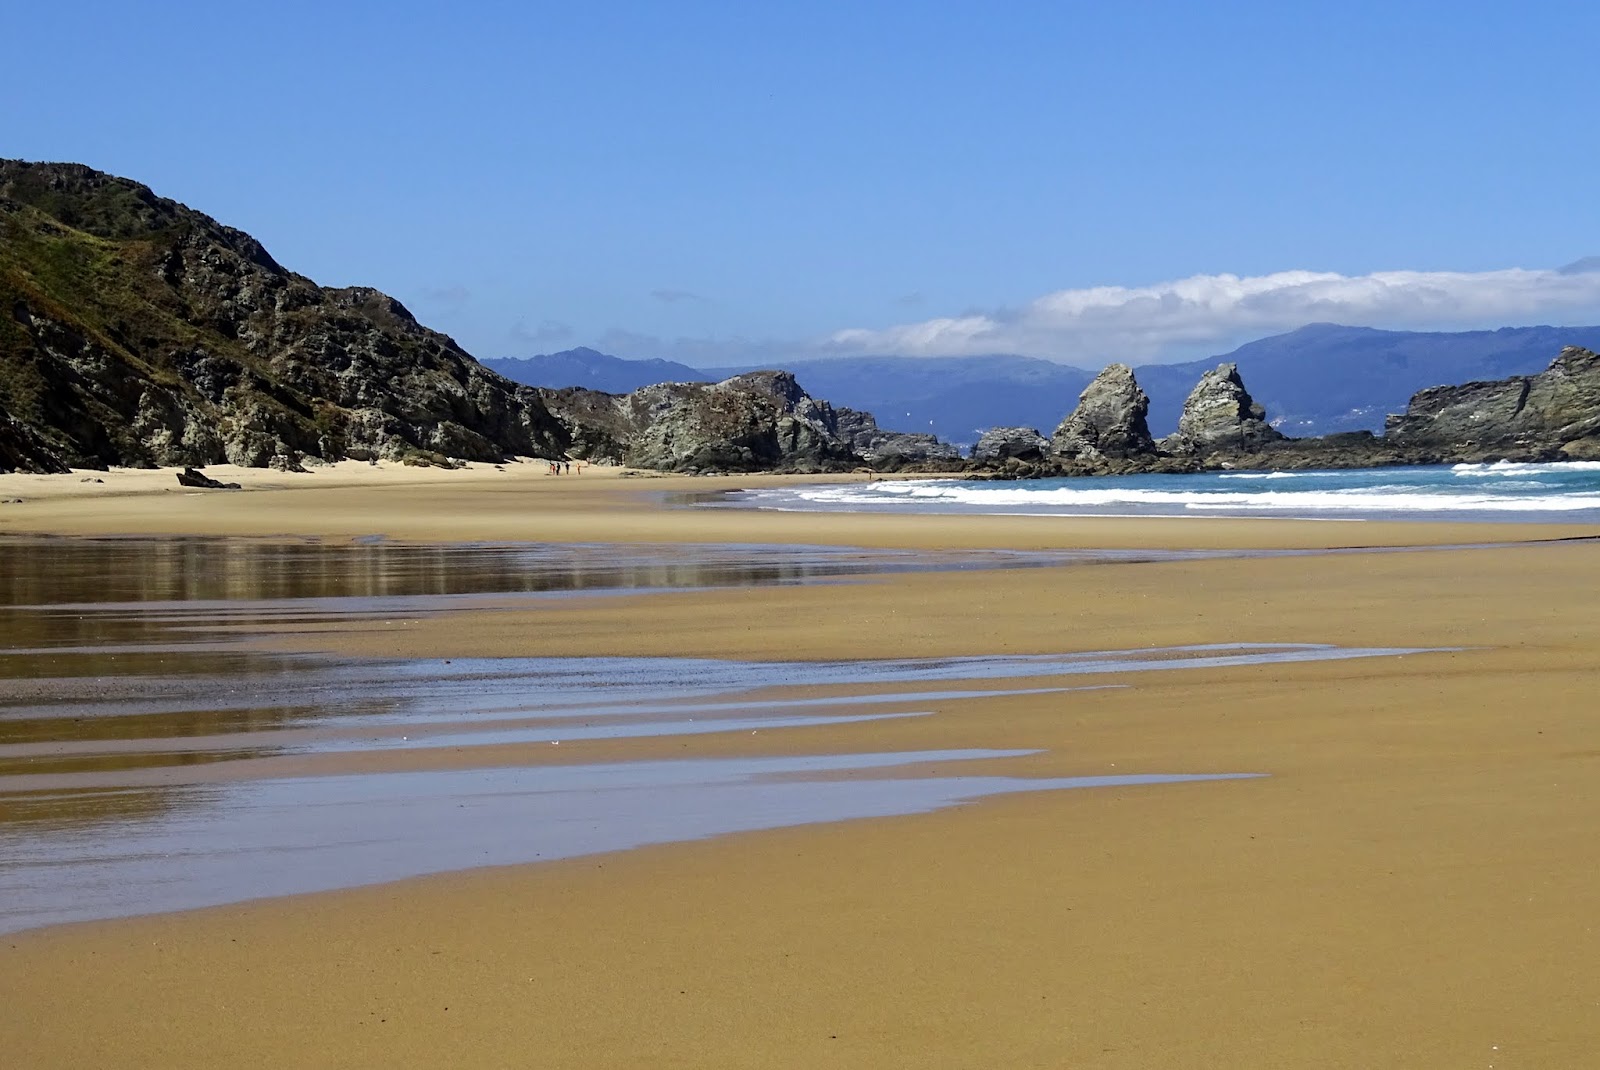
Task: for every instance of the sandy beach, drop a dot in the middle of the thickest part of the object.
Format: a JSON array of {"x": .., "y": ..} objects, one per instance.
[{"x": 1411, "y": 884}]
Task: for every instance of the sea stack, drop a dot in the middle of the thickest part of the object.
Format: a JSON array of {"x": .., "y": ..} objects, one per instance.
[
  {"x": 1109, "y": 422},
  {"x": 1220, "y": 416}
]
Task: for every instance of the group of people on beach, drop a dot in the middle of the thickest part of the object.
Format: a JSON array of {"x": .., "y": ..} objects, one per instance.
[{"x": 558, "y": 468}]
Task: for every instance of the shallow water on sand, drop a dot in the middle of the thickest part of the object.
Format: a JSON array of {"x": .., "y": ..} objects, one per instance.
[
  {"x": 152, "y": 759},
  {"x": 251, "y": 839}
]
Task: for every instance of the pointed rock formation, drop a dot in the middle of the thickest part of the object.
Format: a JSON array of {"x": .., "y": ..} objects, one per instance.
[
  {"x": 1109, "y": 422},
  {"x": 1220, "y": 415}
]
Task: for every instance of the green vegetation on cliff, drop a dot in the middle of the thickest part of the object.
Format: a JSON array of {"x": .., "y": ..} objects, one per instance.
[{"x": 136, "y": 331}]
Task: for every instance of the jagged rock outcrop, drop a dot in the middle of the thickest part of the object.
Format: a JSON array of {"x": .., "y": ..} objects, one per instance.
[
  {"x": 1220, "y": 416},
  {"x": 136, "y": 331},
  {"x": 1554, "y": 415},
  {"x": 1108, "y": 422},
  {"x": 1010, "y": 443},
  {"x": 755, "y": 421},
  {"x": 892, "y": 450}
]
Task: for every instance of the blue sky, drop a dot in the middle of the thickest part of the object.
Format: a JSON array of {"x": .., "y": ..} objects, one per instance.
[{"x": 719, "y": 182}]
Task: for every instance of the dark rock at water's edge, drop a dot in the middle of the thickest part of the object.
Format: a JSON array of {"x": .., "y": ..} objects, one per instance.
[
  {"x": 1552, "y": 416},
  {"x": 193, "y": 477},
  {"x": 136, "y": 331}
]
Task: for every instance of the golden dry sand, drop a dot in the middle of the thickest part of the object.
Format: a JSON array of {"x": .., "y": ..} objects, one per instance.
[{"x": 1414, "y": 885}]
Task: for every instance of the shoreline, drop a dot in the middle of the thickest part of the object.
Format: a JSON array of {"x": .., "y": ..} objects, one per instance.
[
  {"x": 520, "y": 503},
  {"x": 1410, "y": 885}
]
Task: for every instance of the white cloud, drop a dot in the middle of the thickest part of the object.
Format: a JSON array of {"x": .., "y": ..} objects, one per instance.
[{"x": 1189, "y": 317}]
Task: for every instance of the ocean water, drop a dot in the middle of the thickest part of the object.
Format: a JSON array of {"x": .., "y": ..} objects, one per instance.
[{"x": 1566, "y": 492}]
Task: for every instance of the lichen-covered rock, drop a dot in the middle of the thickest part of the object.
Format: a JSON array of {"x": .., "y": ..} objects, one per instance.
[
  {"x": 1011, "y": 443},
  {"x": 1109, "y": 422},
  {"x": 136, "y": 331},
  {"x": 1554, "y": 415},
  {"x": 1220, "y": 415}
]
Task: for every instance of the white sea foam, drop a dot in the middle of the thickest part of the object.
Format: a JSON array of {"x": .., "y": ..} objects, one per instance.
[
  {"x": 1279, "y": 475},
  {"x": 1524, "y": 468},
  {"x": 1385, "y": 498}
]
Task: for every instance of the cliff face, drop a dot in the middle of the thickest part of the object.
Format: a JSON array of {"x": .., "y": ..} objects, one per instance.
[
  {"x": 1554, "y": 415},
  {"x": 760, "y": 420},
  {"x": 136, "y": 331}
]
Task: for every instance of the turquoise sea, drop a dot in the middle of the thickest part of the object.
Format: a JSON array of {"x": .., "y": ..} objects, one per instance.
[{"x": 1567, "y": 492}]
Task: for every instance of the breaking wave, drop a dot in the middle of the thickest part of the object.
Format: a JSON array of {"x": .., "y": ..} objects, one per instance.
[
  {"x": 1507, "y": 491},
  {"x": 1502, "y": 469}
]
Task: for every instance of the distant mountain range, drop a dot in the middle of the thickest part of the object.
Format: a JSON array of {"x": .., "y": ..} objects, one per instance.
[
  {"x": 1316, "y": 380},
  {"x": 594, "y": 370}
]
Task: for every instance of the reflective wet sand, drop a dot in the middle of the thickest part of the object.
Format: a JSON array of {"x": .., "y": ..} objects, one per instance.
[
  {"x": 151, "y": 757},
  {"x": 254, "y": 838}
]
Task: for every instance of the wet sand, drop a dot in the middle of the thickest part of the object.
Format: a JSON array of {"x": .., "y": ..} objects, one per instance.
[{"x": 1411, "y": 885}]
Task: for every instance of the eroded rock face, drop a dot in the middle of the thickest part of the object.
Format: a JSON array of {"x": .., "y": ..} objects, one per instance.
[
  {"x": 1554, "y": 415},
  {"x": 135, "y": 331},
  {"x": 755, "y": 421},
  {"x": 1220, "y": 415},
  {"x": 1109, "y": 421}
]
